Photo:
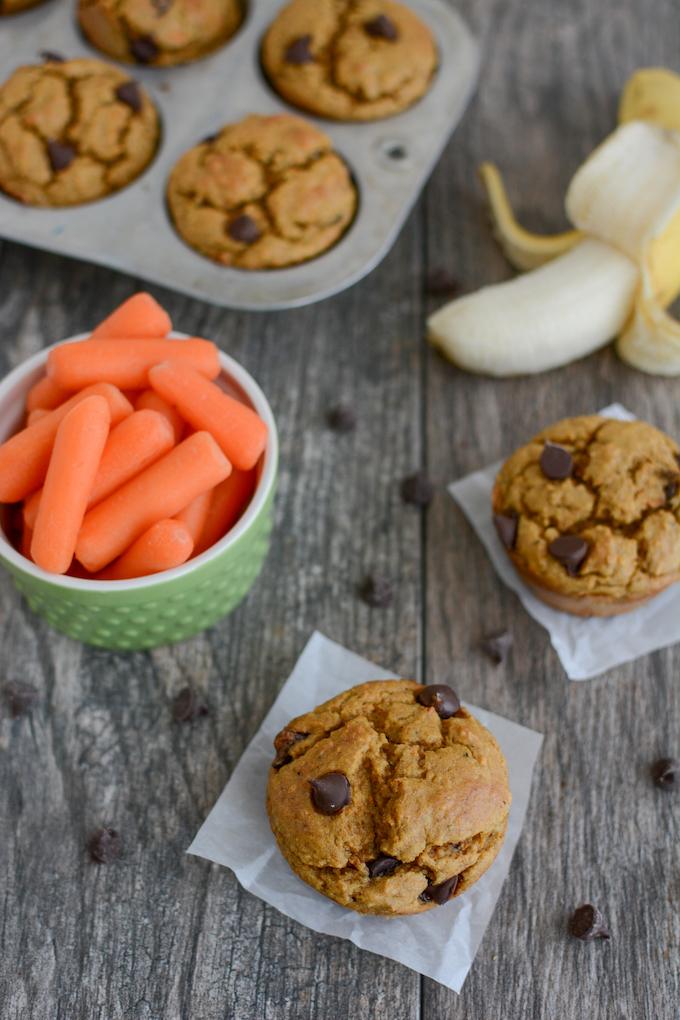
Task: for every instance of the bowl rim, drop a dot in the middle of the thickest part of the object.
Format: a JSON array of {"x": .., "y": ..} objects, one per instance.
[{"x": 244, "y": 380}]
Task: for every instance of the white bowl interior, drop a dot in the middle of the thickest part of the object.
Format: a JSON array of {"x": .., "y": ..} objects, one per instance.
[{"x": 234, "y": 379}]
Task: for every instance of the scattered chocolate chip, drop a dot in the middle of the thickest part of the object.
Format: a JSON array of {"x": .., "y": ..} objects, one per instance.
[
  {"x": 129, "y": 93},
  {"x": 497, "y": 646},
  {"x": 283, "y": 743},
  {"x": 417, "y": 489},
  {"x": 506, "y": 528},
  {"x": 440, "y": 893},
  {"x": 397, "y": 152},
  {"x": 331, "y": 793},
  {"x": 381, "y": 27},
  {"x": 341, "y": 418},
  {"x": 161, "y": 6},
  {"x": 587, "y": 924},
  {"x": 50, "y": 57},
  {"x": 186, "y": 707},
  {"x": 144, "y": 49},
  {"x": 376, "y": 590},
  {"x": 671, "y": 490},
  {"x": 441, "y": 283},
  {"x": 299, "y": 52},
  {"x": 440, "y": 697},
  {"x": 105, "y": 845},
  {"x": 244, "y": 229},
  {"x": 210, "y": 138},
  {"x": 382, "y": 865},
  {"x": 60, "y": 155},
  {"x": 666, "y": 773},
  {"x": 556, "y": 462},
  {"x": 570, "y": 550},
  {"x": 20, "y": 697}
]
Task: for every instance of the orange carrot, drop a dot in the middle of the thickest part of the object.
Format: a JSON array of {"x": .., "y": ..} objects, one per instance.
[
  {"x": 237, "y": 428},
  {"x": 140, "y": 316},
  {"x": 73, "y": 465},
  {"x": 25, "y": 456},
  {"x": 149, "y": 400},
  {"x": 229, "y": 500},
  {"x": 126, "y": 363},
  {"x": 195, "y": 514},
  {"x": 132, "y": 445},
  {"x": 46, "y": 394},
  {"x": 35, "y": 415},
  {"x": 166, "y": 544},
  {"x": 162, "y": 490}
]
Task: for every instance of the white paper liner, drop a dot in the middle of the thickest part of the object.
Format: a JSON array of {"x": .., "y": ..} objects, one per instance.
[
  {"x": 440, "y": 943},
  {"x": 586, "y": 647}
]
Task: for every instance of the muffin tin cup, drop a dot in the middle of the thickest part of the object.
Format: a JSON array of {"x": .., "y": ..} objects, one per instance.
[
  {"x": 131, "y": 230},
  {"x": 163, "y": 608}
]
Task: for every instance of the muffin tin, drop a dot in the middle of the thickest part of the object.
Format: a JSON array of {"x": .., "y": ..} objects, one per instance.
[{"x": 131, "y": 231}]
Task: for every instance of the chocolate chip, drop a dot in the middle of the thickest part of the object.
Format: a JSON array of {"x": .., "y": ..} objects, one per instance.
[
  {"x": 50, "y": 57},
  {"x": 506, "y": 528},
  {"x": 129, "y": 93},
  {"x": 440, "y": 697},
  {"x": 441, "y": 283},
  {"x": 671, "y": 490},
  {"x": 105, "y": 845},
  {"x": 144, "y": 49},
  {"x": 161, "y": 6},
  {"x": 381, "y": 27},
  {"x": 377, "y": 591},
  {"x": 382, "y": 865},
  {"x": 298, "y": 52},
  {"x": 666, "y": 773},
  {"x": 570, "y": 550},
  {"x": 283, "y": 743},
  {"x": 440, "y": 893},
  {"x": 556, "y": 462},
  {"x": 497, "y": 646},
  {"x": 341, "y": 418},
  {"x": 331, "y": 793},
  {"x": 211, "y": 138},
  {"x": 60, "y": 155},
  {"x": 20, "y": 697},
  {"x": 186, "y": 707},
  {"x": 587, "y": 924},
  {"x": 244, "y": 229},
  {"x": 417, "y": 489}
]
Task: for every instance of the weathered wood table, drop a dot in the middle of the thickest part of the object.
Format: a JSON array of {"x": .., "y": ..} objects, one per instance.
[{"x": 163, "y": 935}]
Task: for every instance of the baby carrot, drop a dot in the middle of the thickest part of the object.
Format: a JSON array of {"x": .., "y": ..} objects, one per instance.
[
  {"x": 24, "y": 457},
  {"x": 162, "y": 490},
  {"x": 35, "y": 415},
  {"x": 229, "y": 500},
  {"x": 126, "y": 363},
  {"x": 46, "y": 394},
  {"x": 166, "y": 544},
  {"x": 73, "y": 465},
  {"x": 140, "y": 316},
  {"x": 195, "y": 514},
  {"x": 150, "y": 401},
  {"x": 238, "y": 429}
]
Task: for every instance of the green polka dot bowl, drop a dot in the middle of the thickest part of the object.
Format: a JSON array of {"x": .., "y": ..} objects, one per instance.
[{"x": 163, "y": 608}]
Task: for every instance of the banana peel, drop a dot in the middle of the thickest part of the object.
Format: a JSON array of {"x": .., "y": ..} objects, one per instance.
[
  {"x": 651, "y": 340},
  {"x": 653, "y": 94}
]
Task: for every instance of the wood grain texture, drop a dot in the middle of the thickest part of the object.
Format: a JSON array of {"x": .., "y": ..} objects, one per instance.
[{"x": 161, "y": 936}]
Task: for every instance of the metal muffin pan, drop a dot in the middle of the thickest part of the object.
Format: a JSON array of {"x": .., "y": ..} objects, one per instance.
[{"x": 131, "y": 231}]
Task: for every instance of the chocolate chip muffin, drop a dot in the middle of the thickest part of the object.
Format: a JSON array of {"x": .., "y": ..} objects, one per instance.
[
  {"x": 589, "y": 514},
  {"x": 261, "y": 194},
  {"x": 73, "y": 132},
  {"x": 159, "y": 33},
  {"x": 390, "y": 798},
  {"x": 349, "y": 59}
]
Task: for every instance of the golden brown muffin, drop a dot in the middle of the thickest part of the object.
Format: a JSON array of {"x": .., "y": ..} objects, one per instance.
[
  {"x": 73, "y": 132},
  {"x": 264, "y": 193},
  {"x": 390, "y": 798},
  {"x": 14, "y": 6},
  {"x": 159, "y": 33},
  {"x": 349, "y": 59},
  {"x": 589, "y": 514}
]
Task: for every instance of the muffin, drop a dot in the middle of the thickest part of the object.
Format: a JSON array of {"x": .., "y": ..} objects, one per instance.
[
  {"x": 158, "y": 33},
  {"x": 14, "y": 6},
  {"x": 264, "y": 193},
  {"x": 390, "y": 798},
  {"x": 349, "y": 59},
  {"x": 589, "y": 514},
  {"x": 73, "y": 131}
]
